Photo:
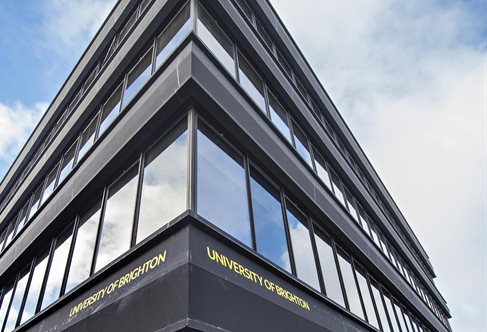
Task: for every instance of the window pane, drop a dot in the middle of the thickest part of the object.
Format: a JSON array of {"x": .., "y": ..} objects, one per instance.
[
  {"x": 374, "y": 234},
  {"x": 263, "y": 33},
  {"x": 380, "y": 308},
  {"x": 5, "y": 303},
  {"x": 351, "y": 206},
  {"x": 284, "y": 63},
  {"x": 350, "y": 286},
  {"x": 302, "y": 249},
  {"x": 301, "y": 89},
  {"x": 390, "y": 311},
  {"x": 68, "y": 162},
  {"x": 22, "y": 218},
  {"x": 13, "y": 313},
  {"x": 369, "y": 306},
  {"x": 337, "y": 189},
  {"x": 400, "y": 317},
  {"x": 329, "y": 268},
  {"x": 221, "y": 188},
  {"x": 56, "y": 272},
  {"x": 216, "y": 40},
  {"x": 164, "y": 191},
  {"x": 173, "y": 35},
  {"x": 10, "y": 232},
  {"x": 35, "y": 202},
  {"x": 408, "y": 321},
  {"x": 137, "y": 77},
  {"x": 321, "y": 169},
  {"x": 268, "y": 221},
  {"x": 110, "y": 110},
  {"x": 245, "y": 8},
  {"x": 84, "y": 247},
  {"x": 117, "y": 220},
  {"x": 51, "y": 181},
  {"x": 251, "y": 82},
  {"x": 87, "y": 139},
  {"x": 34, "y": 289},
  {"x": 301, "y": 142},
  {"x": 363, "y": 222},
  {"x": 279, "y": 117}
]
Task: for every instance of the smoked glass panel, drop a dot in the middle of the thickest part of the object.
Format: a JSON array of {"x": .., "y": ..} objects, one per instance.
[
  {"x": 270, "y": 233},
  {"x": 165, "y": 183},
  {"x": 251, "y": 82},
  {"x": 221, "y": 187},
  {"x": 34, "y": 289}
]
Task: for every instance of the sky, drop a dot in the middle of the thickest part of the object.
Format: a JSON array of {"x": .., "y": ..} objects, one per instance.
[{"x": 409, "y": 78}]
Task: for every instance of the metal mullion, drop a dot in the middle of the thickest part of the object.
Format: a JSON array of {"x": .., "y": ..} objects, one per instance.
[
  {"x": 372, "y": 297},
  {"x": 354, "y": 269},
  {"x": 98, "y": 232},
  {"x": 249, "y": 203},
  {"x": 98, "y": 123},
  {"x": 50, "y": 256},
  {"x": 236, "y": 60},
  {"x": 192, "y": 160},
  {"x": 340, "y": 277},
  {"x": 266, "y": 99},
  {"x": 76, "y": 150},
  {"x": 288, "y": 233},
  {"x": 193, "y": 14},
  {"x": 383, "y": 299},
  {"x": 316, "y": 256},
  {"x": 138, "y": 196},
  {"x": 70, "y": 255},
  {"x": 14, "y": 287},
  {"x": 26, "y": 291},
  {"x": 154, "y": 56}
]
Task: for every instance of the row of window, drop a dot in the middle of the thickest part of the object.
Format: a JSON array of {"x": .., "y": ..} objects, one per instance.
[
  {"x": 224, "y": 49},
  {"x": 84, "y": 87},
  {"x": 104, "y": 117},
  {"x": 293, "y": 77},
  {"x": 154, "y": 191}
]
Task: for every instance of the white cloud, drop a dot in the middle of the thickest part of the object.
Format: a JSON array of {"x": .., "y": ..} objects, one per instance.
[{"x": 410, "y": 79}]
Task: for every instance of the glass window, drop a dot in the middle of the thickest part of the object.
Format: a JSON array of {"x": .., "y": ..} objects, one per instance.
[
  {"x": 301, "y": 89},
  {"x": 221, "y": 187},
  {"x": 137, "y": 77},
  {"x": 34, "y": 289},
  {"x": 165, "y": 183},
  {"x": 35, "y": 202},
  {"x": 263, "y": 33},
  {"x": 380, "y": 306},
  {"x": 57, "y": 269},
  {"x": 301, "y": 142},
  {"x": 251, "y": 82},
  {"x": 110, "y": 110},
  {"x": 400, "y": 317},
  {"x": 118, "y": 217},
  {"x": 321, "y": 169},
  {"x": 366, "y": 298},
  {"x": 22, "y": 218},
  {"x": 68, "y": 163},
  {"x": 279, "y": 116},
  {"x": 5, "y": 304},
  {"x": 284, "y": 63},
  {"x": 363, "y": 221},
  {"x": 337, "y": 188},
  {"x": 350, "y": 286},
  {"x": 328, "y": 268},
  {"x": 245, "y": 8},
  {"x": 2, "y": 238},
  {"x": 173, "y": 35},
  {"x": 408, "y": 321},
  {"x": 216, "y": 40},
  {"x": 84, "y": 247},
  {"x": 50, "y": 183},
  {"x": 390, "y": 311},
  {"x": 128, "y": 25},
  {"x": 13, "y": 313},
  {"x": 302, "y": 249},
  {"x": 351, "y": 205},
  {"x": 375, "y": 238},
  {"x": 270, "y": 233},
  {"x": 10, "y": 232},
  {"x": 87, "y": 139}
]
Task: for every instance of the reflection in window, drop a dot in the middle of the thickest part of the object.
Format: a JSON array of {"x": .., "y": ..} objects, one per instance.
[
  {"x": 56, "y": 271},
  {"x": 279, "y": 117},
  {"x": 36, "y": 198},
  {"x": 368, "y": 304},
  {"x": 5, "y": 303},
  {"x": 337, "y": 188},
  {"x": 13, "y": 313},
  {"x": 328, "y": 268},
  {"x": 408, "y": 321},
  {"x": 68, "y": 162},
  {"x": 10, "y": 233},
  {"x": 321, "y": 169},
  {"x": 117, "y": 220},
  {"x": 216, "y": 40},
  {"x": 251, "y": 82},
  {"x": 390, "y": 311},
  {"x": 221, "y": 187},
  {"x": 34, "y": 289},
  {"x": 50, "y": 182},
  {"x": 137, "y": 77},
  {"x": 400, "y": 317},
  {"x": 87, "y": 139},
  {"x": 301, "y": 142},
  {"x": 380, "y": 307},
  {"x": 164, "y": 189},
  {"x": 84, "y": 247},
  {"x": 173, "y": 35},
  {"x": 270, "y": 233},
  {"x": 351, "y": 205},
  {"x": 110, "y": 110},
  {"x": 350, "y": 285},
  {"x": 363, "y": 221},
  {"x": 302, "y": 249}
]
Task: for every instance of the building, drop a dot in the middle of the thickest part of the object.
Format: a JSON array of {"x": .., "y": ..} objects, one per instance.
[{"x": 193, "y": 174}]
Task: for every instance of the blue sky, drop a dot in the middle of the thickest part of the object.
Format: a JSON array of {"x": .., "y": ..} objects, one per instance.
[{"x": 409, "y": 77}]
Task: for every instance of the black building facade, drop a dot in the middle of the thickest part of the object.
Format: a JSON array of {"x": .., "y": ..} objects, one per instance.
[{"x": 193, "y": 174}]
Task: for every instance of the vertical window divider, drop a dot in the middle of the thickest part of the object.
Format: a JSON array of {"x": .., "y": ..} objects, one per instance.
[
  {"x": 249, "y": 203},
  {"x": 321, "y": 280},
  {"x": 340, "y": 276},
  {"x": 288, "y": 233},
  {"x": 359, "y": 290},
  {"x": 138, "y": 195},
  {"x": 98, "y": 232},
  {"x": 70, "y": 254},
  {"x": 153, "y": 56},
  {"x": 236, "y": 57},
  {"x": 98, "y": 122},
  {"x": 192, "y": 159},
  {"x": 76, "y": 152},
  {"x": 9, "y": 306},
  {"x": 46, "y": 274},
  {"x": 372, "y": 296},
  {"x": 267, "y": 105},
  {"x": 26, "y": 292}
]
